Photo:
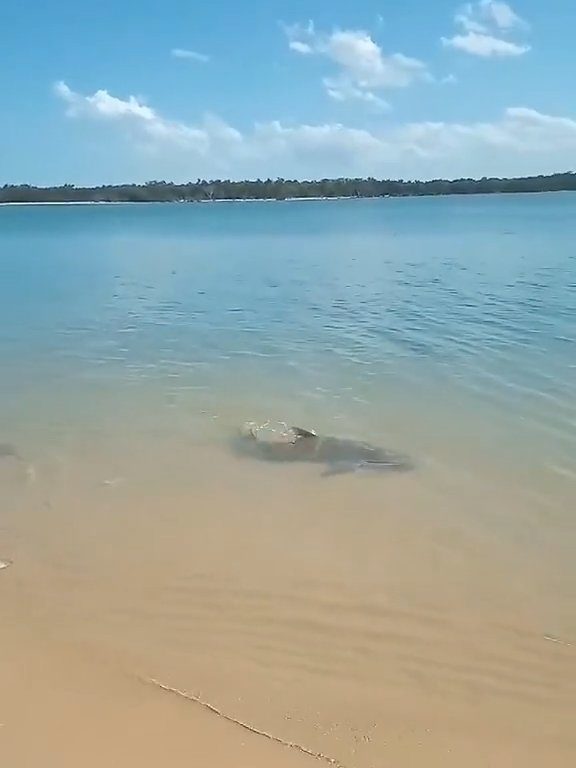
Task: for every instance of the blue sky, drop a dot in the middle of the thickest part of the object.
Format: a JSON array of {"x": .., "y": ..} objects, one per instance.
[{"x": 131, "y": 90}]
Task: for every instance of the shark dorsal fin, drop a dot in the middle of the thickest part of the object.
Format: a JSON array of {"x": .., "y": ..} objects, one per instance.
[{"x": 301, "y": 432}]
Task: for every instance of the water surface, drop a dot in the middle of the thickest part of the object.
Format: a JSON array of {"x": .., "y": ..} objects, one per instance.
[{"x": 426, "y": 618}]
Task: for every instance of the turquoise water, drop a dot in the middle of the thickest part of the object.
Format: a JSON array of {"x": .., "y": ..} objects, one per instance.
[
  {"x": 397, "y": 315},
  {"x": 346, "y": 613}
]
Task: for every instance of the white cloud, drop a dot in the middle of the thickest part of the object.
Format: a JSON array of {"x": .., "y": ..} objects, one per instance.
[
  {"x": 104, "y": 105},
  {"x": 183, "y": 53},
  {"x": 479, "y": 44},
  {"x": 300, "y": 47},
  {"x": 300, "y": 37},
  {"x": 521, "y": 141},
  {"x": 485, "y": 30},
  {"x": 344, "y": 90},
  {"x": 363, "y": 67},
  {"x": 500, "y": 14},
  {"x": 145, "y": 121},
  {"x": 362, "y": 59},
  {"x": 465, "y": 19}
]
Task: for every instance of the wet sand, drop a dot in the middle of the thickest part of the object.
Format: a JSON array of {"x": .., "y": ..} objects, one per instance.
[
  {"x": 423, "y": 619},
  {"x": 63, "y": 706}
]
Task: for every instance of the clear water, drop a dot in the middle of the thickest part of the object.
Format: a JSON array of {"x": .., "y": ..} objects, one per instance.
[
  {"x": 134, "y": 339},
  {"x": 402, "y": 312}
]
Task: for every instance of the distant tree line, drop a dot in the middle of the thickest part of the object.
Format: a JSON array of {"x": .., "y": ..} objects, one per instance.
[{"x": 279, "y": 189}]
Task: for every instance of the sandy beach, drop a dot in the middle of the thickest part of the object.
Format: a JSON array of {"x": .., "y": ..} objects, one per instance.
[
  {"x": 62, "y": 707},
  {"x": 400, "y": 660}
]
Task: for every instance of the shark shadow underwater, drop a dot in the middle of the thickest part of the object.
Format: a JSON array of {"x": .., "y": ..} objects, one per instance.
[{"x": 336, "y": 455}]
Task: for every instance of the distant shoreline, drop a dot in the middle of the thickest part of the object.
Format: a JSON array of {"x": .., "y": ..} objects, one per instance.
[
  {"x": 188, "y": 202},
  {"x": 271, "y": 199},
  {"x": 280, "y": 190}
]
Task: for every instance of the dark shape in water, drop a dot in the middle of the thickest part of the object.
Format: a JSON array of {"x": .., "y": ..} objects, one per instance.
[
  {"x": 8, "y": 451},
  {"x": 338, "y": 455}
]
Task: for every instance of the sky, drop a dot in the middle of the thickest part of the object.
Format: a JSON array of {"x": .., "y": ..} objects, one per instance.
[{"x": 118, "y": 91}]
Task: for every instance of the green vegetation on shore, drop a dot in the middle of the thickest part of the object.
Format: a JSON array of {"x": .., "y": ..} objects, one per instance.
[{"x": 279, "y": 189}]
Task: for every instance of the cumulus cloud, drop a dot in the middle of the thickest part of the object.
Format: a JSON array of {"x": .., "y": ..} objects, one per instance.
[
  {"x": 362, "y": 66},
  {"x": 501, "y": 14},
  {"x": 521, "y": 140},
  {"x": 300, "y": 46},
  {"x": 485, "y": 30},
  {"x": 103, "y": 104},
  {"x": 342, "y": 89},
  {"x": 145, "y": 122},
  {"x": 481, "y": 44},
  {"x": 183, "y": 53}
]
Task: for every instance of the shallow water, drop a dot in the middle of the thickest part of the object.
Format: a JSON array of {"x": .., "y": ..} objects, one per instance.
[{"x": 426, "y": 617}]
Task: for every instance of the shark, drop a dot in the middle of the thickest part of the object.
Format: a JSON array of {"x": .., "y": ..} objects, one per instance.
[{"x": 337, "y": 455}]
